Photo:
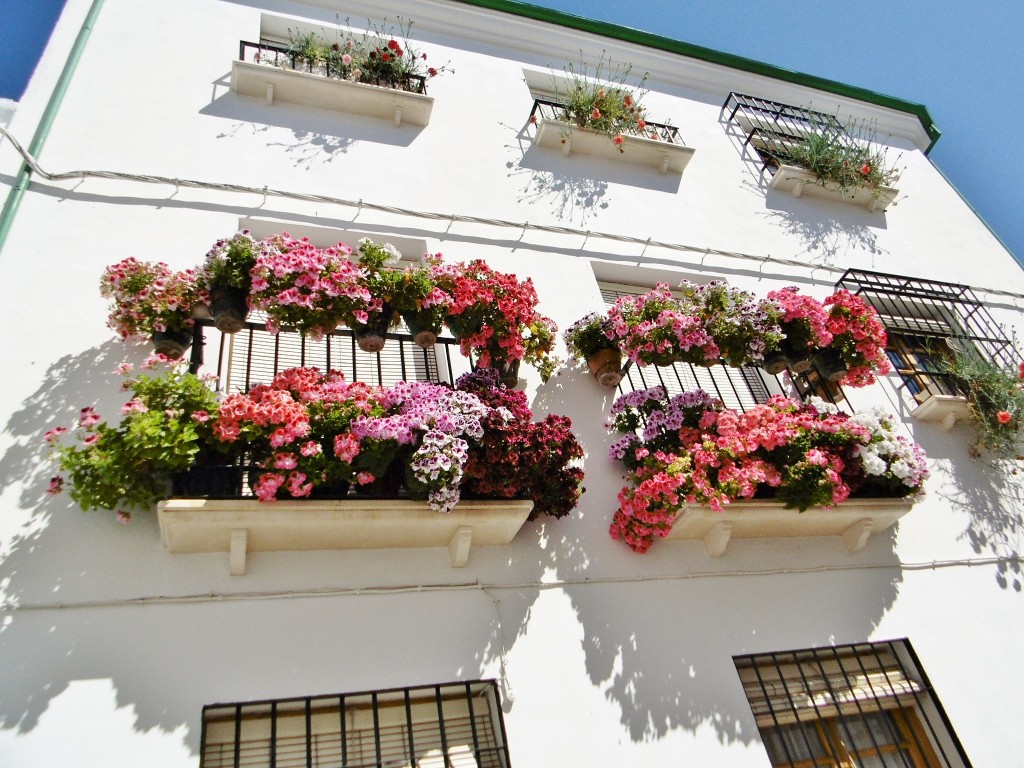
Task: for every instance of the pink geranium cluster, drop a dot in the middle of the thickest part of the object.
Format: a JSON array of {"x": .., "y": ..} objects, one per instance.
[
  {"x": 310, "y": 289},
  {"x": 148, "y": 297},
  {"x": 804, "y": 321},
  {"x": 859, "y": 336},
  {"x": 655, "y": 329},
  {"x": 494, "y": 314},
  {"x": 690, "y": 449}
]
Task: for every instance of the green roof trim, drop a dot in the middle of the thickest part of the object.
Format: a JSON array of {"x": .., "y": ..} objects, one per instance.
[{"x": 657, "y": 42}]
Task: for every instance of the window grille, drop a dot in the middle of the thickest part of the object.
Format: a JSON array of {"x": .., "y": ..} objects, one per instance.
[
  {"x": 926, "y": 321},
  {"x": 772, "y": 128},
  {"x": 739, "y": 388},
  {"x": 253, "y": 356},
  {"x": 456, "y": 725},
  {"x": 868, "y": 705}
]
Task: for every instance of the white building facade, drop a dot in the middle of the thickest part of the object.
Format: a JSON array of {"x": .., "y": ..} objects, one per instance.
[{"x": 562, "y": 647}]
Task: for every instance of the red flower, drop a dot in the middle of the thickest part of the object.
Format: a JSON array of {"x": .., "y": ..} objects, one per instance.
[
  {"x": 618, "y": 140},
  {"x": 1004, "y": 417},
  {"x": 1022, "y": 370},
  {"x": 627, "y": 100},
  {"x": 596, "y": 114},
  {"x": 865, "y": 169},
  {"x": 393, "y": 45},
  {"x": 385, "y": 57},
  {"x": 431, "y": 71}
]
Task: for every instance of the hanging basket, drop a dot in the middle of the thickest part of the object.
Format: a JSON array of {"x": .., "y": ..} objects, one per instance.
[
  {"x": 800, "y": 360},
  {"x": 775, "y": 362},
  {"x": 606, "y": 365},
  {"x": 830, "y": 365},
  {"x": 508, "y": 371},
  {"x": 171, "y": 343},
  {"x": 229, "y": 309},
  {"x": 424, "y": 333},
  {"x": 371, "y": 336}
]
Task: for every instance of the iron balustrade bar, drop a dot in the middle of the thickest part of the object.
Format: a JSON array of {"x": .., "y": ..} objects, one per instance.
[
  {"x": 285, "y": 57},
  {"x": 552, "y": 109}
]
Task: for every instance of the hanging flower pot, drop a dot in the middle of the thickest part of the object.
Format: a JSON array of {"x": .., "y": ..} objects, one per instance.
[
  {"x": 606, "y": 365},
  {"x": 371, "y": 336},
  {"x": 775, "y": 362},
  {"x": 424, "y": 331},
  {"x": 799, "y": 359},
  {"x": 171, "y": 343},
  {"x": 229, "y": 309},
  {"x": 508, "y": 371},
  {"x": 829, "y": 363}
]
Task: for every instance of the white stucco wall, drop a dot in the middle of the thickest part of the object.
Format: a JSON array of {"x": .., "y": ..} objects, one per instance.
[{"x": 110, "y": 646}]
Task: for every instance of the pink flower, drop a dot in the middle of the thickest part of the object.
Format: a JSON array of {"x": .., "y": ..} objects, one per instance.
[
  {"x": 346, "y": 59},
  {"x": 124, "y": 517},
  {"x": 91, "y": 439},
  {"x": 134, "y": 405},
  {"x": 365, "y": 478},
  {"x": 596, "y": 114},
  {"x": 1004, "y": 417},
  {"x": 53, "y": 434},
  {"x": 618, "y": 140},
  {"x": 124, "y": 369},
  {"x": 1022, "y": 371},
  {"x": 865, "y": 169},
  {"x": 56, "y": 485},
  {"x": 201, "y": 417},
  {"x": 88, "y": 418}
]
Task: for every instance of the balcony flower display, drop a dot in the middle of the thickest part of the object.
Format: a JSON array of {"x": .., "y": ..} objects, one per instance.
[
  {"x": 690, "y": 449},
  {"x": 150, "y": 300},
  {"x": 225, "y": 280},
  {"x": 859, "y": 337},
  {"x": 309, "y": 289},
  {"x": 494, "y": 316},
  {"x": 804, "y": 327},
  {"x": 589, "y": 339},
  {"x": 381, "y": 57},
  {"x": 995, "y": 396},
  {"x": 377, "y": 262},
  {"x": 602, "y": 102},
  {"x": 655, "y": 329},
  {"x": 164, "y": 427},
  {"x": 840, "y": 159}
]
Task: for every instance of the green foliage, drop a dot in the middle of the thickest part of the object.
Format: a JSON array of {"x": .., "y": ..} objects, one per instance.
[
  {"x": 599, "y": 99},
  {"x": 995, "y": 397},
  {"x": 838, "y": 158},
  {"x": 228, "y": 264}
]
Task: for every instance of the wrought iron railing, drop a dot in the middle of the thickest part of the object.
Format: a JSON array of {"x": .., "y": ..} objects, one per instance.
[
  {"x": 457, "y": 724},
  {"x": 285, "y": 58},
  {"x": 772, "y": 128},
  {"x": 927, "y": 321},
  {"x": 552, "y": 109}
]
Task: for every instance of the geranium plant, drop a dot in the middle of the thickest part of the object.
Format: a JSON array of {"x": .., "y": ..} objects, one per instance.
[
  {"x": 804, "y": 326},
  {"x": 148, "y": 297},
  {"x": 309, "y": 289},
  {"x": 654, "y": 329},
  {"x": 995, "y": 395},
  {"x": 690, "y": 449},
  {"x": 599, "y": 99},
  {"x": 128, "y": 463},
  {"x": 859, "y": 336},
  {"x": 225, "y": 280},
  {"x": 588, "y": 335}
]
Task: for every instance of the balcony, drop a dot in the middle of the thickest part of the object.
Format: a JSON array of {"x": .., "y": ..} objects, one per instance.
[
  {"x": 270, "y": 72},
  {"x": 657, "y": 146},
  {"x": 772, "y": 133}
]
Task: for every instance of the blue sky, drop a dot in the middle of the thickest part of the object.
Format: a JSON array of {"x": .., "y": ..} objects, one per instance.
[{"x": 964, "y": 61}]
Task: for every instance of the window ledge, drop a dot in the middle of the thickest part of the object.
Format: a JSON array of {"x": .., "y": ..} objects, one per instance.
[
  {"x": 855, "y": 520},
  {"x": 945, "y": 409},
  {"x": 797, "y": 181},
  {"x": 276, "y": 84},
  {"x": 238, "y": 526},
  {"x": 636, "y": 149}
]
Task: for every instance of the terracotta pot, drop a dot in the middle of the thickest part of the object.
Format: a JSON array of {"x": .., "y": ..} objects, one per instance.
[
  {"x": 800, "y": 360},
  {"x": 606, "y": 365},
  {"x": 170, "y": 343}
]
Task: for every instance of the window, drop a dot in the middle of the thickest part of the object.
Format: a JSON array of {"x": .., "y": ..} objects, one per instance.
[
  {"x": 457, "y": 725},
  {"x": 738, "y": 388},
  {"x": 926, "y": 321},
  {"x": 856, "y": 706}
]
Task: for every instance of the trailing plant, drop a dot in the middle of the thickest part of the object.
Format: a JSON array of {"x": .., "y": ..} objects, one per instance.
[
  {"x": 163, "y": 428},
  {"x": 655, "y": 329},
  {"x": 742, "y": 326},
  {"x": 859, "y": 336},
  {"x": 804, "y": 321},
  {"x": 599, "y": 99},
  {"x": 995, "y": 396}
]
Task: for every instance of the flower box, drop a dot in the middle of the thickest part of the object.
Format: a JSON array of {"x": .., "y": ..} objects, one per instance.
[
  {"x": 314, "y": 90},
  {"x": 945, "y": 409},
  {"x": 239, "y": 526},
  {"x": 636, "y": 149},
  {"x": 855, "y": 520},
  {"x": 797, "y": 181}
]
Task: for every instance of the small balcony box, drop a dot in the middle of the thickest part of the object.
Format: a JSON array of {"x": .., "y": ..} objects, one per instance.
[
  {"x": 316, "y": 90},
  {"x": 855, "y": 520},
  {"x": 797, "y": 181},
  {"x": 639, "y": 150},
  {"x": 239, "y": 526}
]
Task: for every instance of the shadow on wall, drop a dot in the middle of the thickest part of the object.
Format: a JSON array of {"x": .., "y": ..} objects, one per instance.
[
  {"x": 660, "y": 649},
  {"x": 989, "y": 494},
  {"x": 830, "y": 232}
]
